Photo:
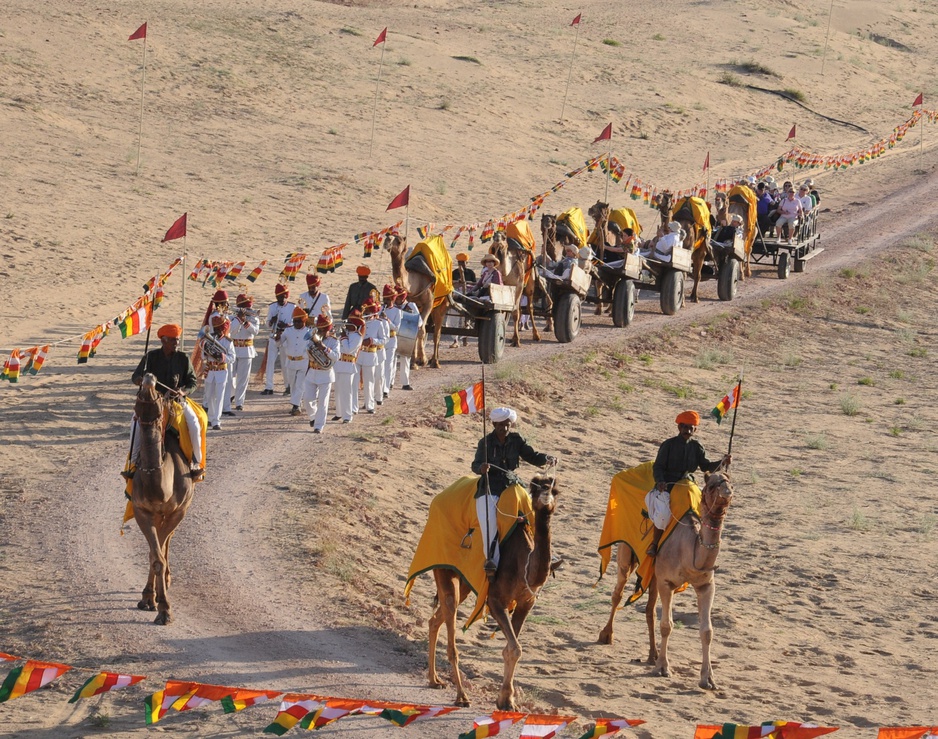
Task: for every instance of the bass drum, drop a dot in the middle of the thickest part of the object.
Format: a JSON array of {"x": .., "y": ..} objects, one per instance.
[{"x": 407, "y": 334}]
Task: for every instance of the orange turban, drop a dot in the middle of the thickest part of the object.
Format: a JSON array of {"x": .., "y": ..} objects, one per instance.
[
  {"x": 298, "y": 312},
  {"x": 462, "y": 257},
  {"x": 690, "y": 418},
  {"x": 171, "y": 330},
  {"x": 362, "y": 270}
]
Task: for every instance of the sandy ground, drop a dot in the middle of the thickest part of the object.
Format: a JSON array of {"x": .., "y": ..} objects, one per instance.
[{"x": 289, "y": 569}]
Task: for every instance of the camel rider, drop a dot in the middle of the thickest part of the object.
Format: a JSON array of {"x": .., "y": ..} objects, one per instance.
[
  {"x": 176, "y": 378},
  {"x": 497, "y": 457},
  {"x": 678, "y": 458},
  {"x": 358, "y": 292}
]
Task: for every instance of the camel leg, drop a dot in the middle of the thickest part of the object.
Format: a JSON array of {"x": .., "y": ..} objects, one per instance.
[
  {"x": 145, "y": 522},
  {"x": 535, "y": 334},
  {"x": 420, "y": 352},
  {"x": 667, "y": 624},
  {"x": 516, "y": 319},
  {"x": 650, "y": 620},
  {"x": 437, "y": 334},
  {"x": 444, "y": 587},
  {"x": 747, "y": 268},
  {"x": 623, "y": 570},
  {"x": 165, "y": 533},
  {"x": 705, "y": 595},
  {"x": 698, "y": 269},
  {"x": 511, "y": 654}
]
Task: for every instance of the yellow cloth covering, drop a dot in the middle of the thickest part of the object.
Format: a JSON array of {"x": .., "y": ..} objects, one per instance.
[
  {"x": 625, "y": 218},
  {"x": 452, "y": 538},
  {"x": 626, "y": 523},
  {"x": 746, "y": 193},
  {"x": 433, "y": 249},
  {"x": 177, "y": 421},
  {"x": 521, "y": 232},
  {"x": 701, "y": 211},
  {"x": 577, "y": 223}
]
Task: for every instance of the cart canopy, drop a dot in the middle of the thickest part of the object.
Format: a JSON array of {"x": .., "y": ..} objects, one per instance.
[{"x": 574, "y": 221}]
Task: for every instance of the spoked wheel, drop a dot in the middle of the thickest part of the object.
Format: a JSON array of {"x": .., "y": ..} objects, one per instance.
[{"x": 624, "y": 298}]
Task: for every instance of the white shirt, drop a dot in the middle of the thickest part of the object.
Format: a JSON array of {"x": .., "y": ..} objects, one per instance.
[
  {"x": 331, "y": 346},
  {"x": 348, "y": 347},
  {"x": 294, "y": 341},
  {"x": 277, "y": 313},
  {"x": 243, "y": 330},
  {"x": 314, "y": 305}
]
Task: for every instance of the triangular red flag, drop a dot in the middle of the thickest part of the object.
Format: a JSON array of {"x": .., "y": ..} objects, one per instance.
[
  {"x": 707, "y": 162},
  {"x": 177, "y": 230},
  {"x": 382, "y": 37},
  {"x": 139, "y": 33},
  {"x": 576, "y": 21},
  {"x": 606, "y": 135},
  {"x": 919, "y": 100},
  {"x": 401, "y": 200},
  {"x": 791, "y": 134}
]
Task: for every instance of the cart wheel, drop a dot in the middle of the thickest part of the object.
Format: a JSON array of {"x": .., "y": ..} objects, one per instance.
[
  {"x": 728, "y": 280},
  {"x": 784, "y": 265},
  {"x": 567, "y": 318},
  {"x": 492, "y": 338},
  {"x": 623, "y": 303},
  {"x": 672, "y": 292},
  {"x": 799, "y": 265}
]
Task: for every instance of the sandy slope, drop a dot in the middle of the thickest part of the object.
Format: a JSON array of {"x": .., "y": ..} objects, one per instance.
[{"x": 290, "y": 566}]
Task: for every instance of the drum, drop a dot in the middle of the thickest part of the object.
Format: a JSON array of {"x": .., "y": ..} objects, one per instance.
[{"x": 407, "y": 334}]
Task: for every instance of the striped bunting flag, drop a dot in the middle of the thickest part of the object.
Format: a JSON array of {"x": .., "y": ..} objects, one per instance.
[
  {"x": 768, "y": 729},
  {"x": 610, "y": 726},
  {"x": 470, "y": 400},
  {"x": 293, "y": 708},
  {"x": 544, "y": 726},
  {"x": 491, "y": 725},
  {"x": 29, "y": 677},
  {"x": 104, "y": 682}
]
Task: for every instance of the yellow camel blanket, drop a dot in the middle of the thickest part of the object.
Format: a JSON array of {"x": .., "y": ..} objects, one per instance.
[
  {"x": 627, "y": 520},
  {"x": 521, "y": 232},
  {"x": 433, "y": 249},
  {"x": 452, "y": 537},
  {"x": 701, "y": 211},
  {"x": 177, "y": 421},
  {"x": 744, "y": 195},
  {"x": 577, "y": 223},
  {"x": 625, "y": 218}
]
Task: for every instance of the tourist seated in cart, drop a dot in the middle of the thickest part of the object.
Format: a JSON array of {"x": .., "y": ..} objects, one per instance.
[
  {"x": 489, "y": 276},
  {"x": 564, "y": 266},
  {"x": 727, "y": 234},
  {"x": 790, "y": 214},
  {"x": 660, "y": 249},
  {"x": 764, "y": 205}
]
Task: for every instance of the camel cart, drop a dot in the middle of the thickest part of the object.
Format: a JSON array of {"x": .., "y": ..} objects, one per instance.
[
  {"x": 567, "y": 294},
  {"x": 486, "y": 319},
  {"x": 622, "y": 280},
  {"x": 726, "y": 264},
  {"x": 786, "y": 256}
]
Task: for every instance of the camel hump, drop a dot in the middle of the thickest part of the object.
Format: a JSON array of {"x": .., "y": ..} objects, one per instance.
[{"x": 419, "y": 264}]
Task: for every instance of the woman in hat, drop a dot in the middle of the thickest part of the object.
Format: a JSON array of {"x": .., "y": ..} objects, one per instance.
[{"x": 489, "y": 276}]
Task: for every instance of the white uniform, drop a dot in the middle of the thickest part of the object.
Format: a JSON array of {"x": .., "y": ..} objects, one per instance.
[
  {"x": 314, "y": 304},
  {"x": 404, "y": 362},
  {"x": 318, "y": 385},
  {"x": 293, "y": 344},
  {"x": 381, "y": 389},
  {"x": 346, "y": 376},
  {"x": 216, "y": 379},
  {"x": 393, "y": 314},
  {"x": 242, "y": 336},
  {"x": 282, "y": 314},
  {"x": 368, "y": 360}
]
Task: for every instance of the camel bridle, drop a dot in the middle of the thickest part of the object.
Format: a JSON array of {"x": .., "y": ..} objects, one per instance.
[{"x": 712, "y": 516}]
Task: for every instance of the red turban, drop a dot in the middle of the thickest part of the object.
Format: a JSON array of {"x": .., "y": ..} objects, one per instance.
[
  {"x": 220, "y": 296},
  {"x": 171, "y": 330},
  {"x": 388, "y": 291},
  {"x": 323, "y": 321},
  {"x": 690, "y": 418},
  {"x": 313, "y": 280},
  {"x": 281, "y": 289},
  {"x": 244, "y": 301}
]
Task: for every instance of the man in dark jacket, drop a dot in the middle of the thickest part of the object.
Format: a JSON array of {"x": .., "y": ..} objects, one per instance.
[
  {"x": 678, "y": 458},
  {"x": 358, "y": 292}
]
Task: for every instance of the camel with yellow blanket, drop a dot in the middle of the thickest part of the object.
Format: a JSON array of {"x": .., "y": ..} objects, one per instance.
[
  {"x": 742, "y": 201},
  {"x": 515, "y": 249},
  {"x": 687, "y": 554},
  {"x": 453, "y": 547}
]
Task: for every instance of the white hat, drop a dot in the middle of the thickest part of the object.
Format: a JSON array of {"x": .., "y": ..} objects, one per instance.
[
  {"x": 674, "y": 227},
  {"x": 751, "y": 180},
  {"x": 585, "y": 253},
  {"x": 498, "y": 415},
  {"x": 809, "y": 182},
  {"x": 736, "y": 218}
]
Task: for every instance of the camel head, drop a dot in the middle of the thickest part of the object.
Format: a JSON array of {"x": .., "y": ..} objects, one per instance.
[
  {"x": 149, "y": 405},
  {"x": 544, "y": 494},
  {"x": 599, "y": 211},
  {"x": 499, "y": 248},
  {"x": 717, "y": 493},
  {"x": 393, "y": 242},
  {"x": 548, "y": 226},
  {"x": 665, "y": 201}
]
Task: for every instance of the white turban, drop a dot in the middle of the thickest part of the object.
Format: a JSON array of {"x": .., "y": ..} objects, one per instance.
[{"x": 498, "y": 415}]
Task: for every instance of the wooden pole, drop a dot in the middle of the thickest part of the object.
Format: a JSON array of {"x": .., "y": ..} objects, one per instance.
[
  {"x": 830, "y": 15},
  {"x": 739, "y": 397},
  {"x": 608, "y": 176},
  {"x": 143, "y": 84},
  {"x": 570, "y": 75},
  {"x": 185, "y": 279},
  {"x": 374, "y": 115}
]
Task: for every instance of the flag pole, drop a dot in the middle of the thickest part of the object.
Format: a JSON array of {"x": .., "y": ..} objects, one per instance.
[
  {"x": 374, "y": 115},
  {"x": 739, "y": 398},
  {"x": 570, "y": 75},
  {"x": 143, "y": 85},
  {"x": 608, "y": 173},
  {"x": 489, "y": 545},
  {"x": 830, "y": 15},
  {"x": 185, "y": 279}
]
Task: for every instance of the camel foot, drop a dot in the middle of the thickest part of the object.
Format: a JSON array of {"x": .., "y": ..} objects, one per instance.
[
  {"x": 146, "y": 605},
  {"x": 662, "y": 672},
  {"x": 461, "y": 701},
  {"x": 605, "y": 637},
  {"x": 434, "y": 365},
  {"x": 694, "y": 299},
  {"x": 163, "y": 618},
  {"x": 506, "y": 705},
  {"x": 708, "y": 684},
  {"x": 435, "y": 682}
]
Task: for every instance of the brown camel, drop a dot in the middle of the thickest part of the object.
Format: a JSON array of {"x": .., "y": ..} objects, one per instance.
[
  {"x": 522, "y": 570},
  {"x": 420, "y": 289},
  {"x": 549, "y": 237},
  {"x": 688, "y": 555},
  {"x": 517, "y": 269},
  {"x": 721, "y": 212},
  {"x": 599, "y": 212},
  {"x": 738, "y": 205},
  {"x": 162, "y": 492},
  {"x": 695, "y": 239}
]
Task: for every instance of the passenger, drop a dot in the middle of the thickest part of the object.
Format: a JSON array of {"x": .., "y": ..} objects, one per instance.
[
  {"x": 807, "y": 202},
  {"x": 564, "y": 266},
  {"x": 727, "y": 234},
  {"x": 662, "y": 247},
  {"x": 815, "y": 196},
  {"x": 764, "y": 206},
  {"x": 790, "y": 210},
  {"x": 489, "y": 276}
]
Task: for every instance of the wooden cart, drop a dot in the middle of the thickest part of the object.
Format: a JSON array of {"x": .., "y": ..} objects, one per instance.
[{"x": 787, "y": 255}]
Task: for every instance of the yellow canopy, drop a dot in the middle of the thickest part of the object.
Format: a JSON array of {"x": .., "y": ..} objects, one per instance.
[
  {"x": 701, "y": 211},
  {"x": 625, "y": 218},
  {"x": 433, "y": 250},
  {"x": 743, "y": 196},
  {"x": 576, "y": 222},
  {"x": 521, "y": 232}
]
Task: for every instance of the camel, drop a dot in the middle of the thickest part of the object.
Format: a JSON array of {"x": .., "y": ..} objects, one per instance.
[
  {"x": 738, "y": 205},
  {"x": 162, "y": 492},
  {"x": 549, "y": 238},
  {"x": 522, "y": 571},
  {"x": 599, "y": 212},
  {"x": 420, "y": 289},
  {"x": 688, "y": 555},
  {"x": 517, "y": 268},
  {"x": 694, "y": 239},
  {"x": 721, "y": 212}
]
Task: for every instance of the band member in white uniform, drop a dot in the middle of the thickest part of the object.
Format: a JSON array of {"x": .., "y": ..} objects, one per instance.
[
  {"x": 368, "y": 357},
  {"x": 313, "y": 300},
  {"x": 244, "y": 327},
  {"x": 393, "y": 313},
  {"x": 346, "y": 369},
  {"x": 407, "y": 306},
  {"x": 293, "y": 342},
  {"x": 218, "y": 353},
  {"x": 279, "y": 317},
  {"x": 322, "y": 352}
]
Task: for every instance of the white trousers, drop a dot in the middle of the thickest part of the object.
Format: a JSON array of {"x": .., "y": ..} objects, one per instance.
[
  {"x": 487, "y": 511},
  {"x": 274, "y": 353},
  {"x": 241, "y": 378},
  {"x": 216, "y": 384},
  {"x": 658, "y": 505},
  {"x": 404, "y": 366},
  {"x": 390, "y": 364},
  {"x": 195, "y": 434},
  {"x": 346, "y": 387},
  {"x": 370, "y": 378},
  {"x": 316, "y": 396},
  {"x": 293, "y": 376}
]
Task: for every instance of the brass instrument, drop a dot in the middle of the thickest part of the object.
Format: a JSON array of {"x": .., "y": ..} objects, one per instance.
[
  {"x": 247, "y": 312},
  {"x": 212, "y": 348},
  {"x": 316, "y": 351}
]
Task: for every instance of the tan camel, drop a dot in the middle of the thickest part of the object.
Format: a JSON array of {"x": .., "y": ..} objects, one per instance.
[
  {"x": 737, "y": 205},
  {"x": 162, "y": 491},
  {"x": 688, "y": 555},
  {"x": 599, "y": 212},
  {"x": 549, "y": 237},
  {"x": 721, "y": 211},
  {"x": 522, "y": 570},
  {"x": 420, "y": 290},
  {"x": 694, "y": 239},
  {"x": 517, "y": 269}
]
